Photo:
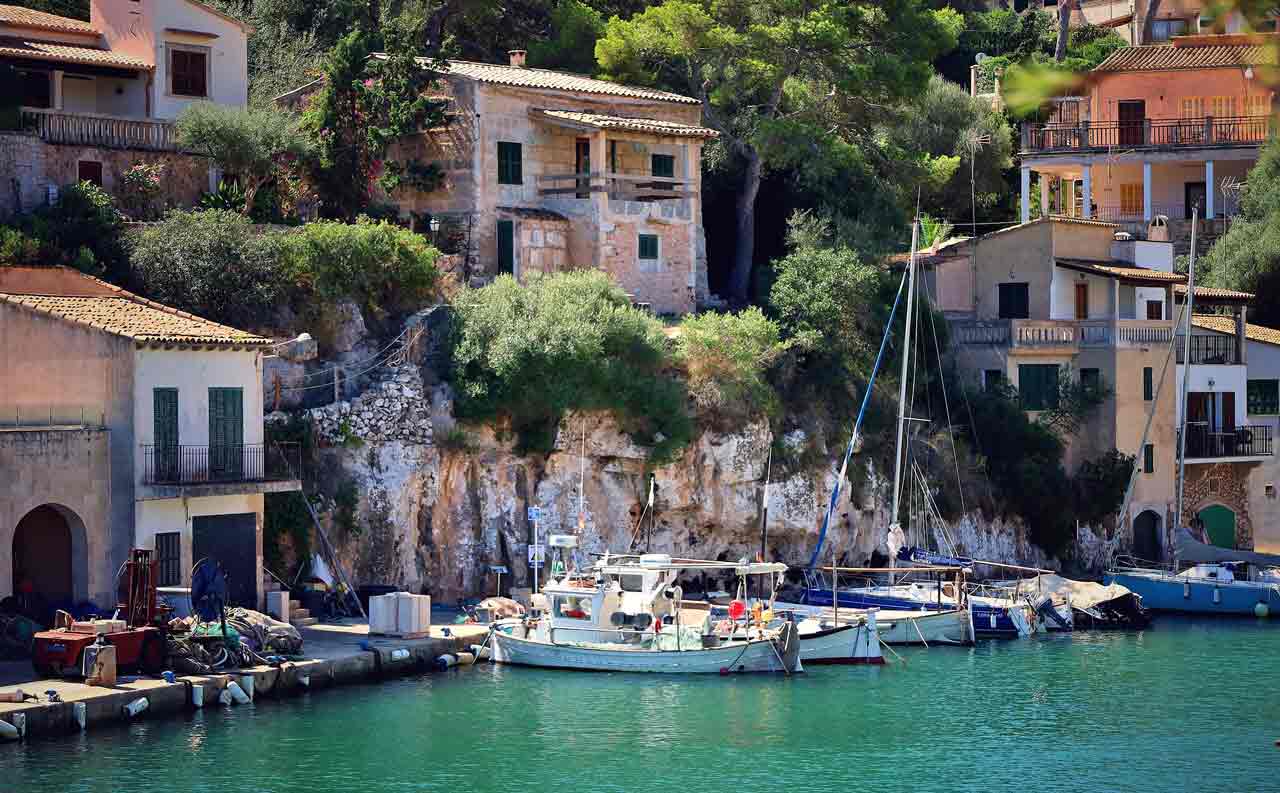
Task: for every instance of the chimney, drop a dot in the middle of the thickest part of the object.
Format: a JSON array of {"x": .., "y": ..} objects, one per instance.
[{"x": 517, "y": 58}]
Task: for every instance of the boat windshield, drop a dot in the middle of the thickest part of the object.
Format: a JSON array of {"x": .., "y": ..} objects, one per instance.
[{"x": 573, "y": 607}]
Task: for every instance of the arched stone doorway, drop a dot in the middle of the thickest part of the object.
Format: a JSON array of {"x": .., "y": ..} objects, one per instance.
[
  {"x": 1219, "y": 525},
  {"x": 43, "y": 554},
  {"x": 1146, "y": 536}
]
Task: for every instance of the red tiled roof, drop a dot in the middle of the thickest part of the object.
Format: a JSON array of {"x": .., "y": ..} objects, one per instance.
[
  {"x": 1213, "y": 293},
  {"x": 1121, "y": 270},
  {"x": 1223, "y": 324},
  {"x": 1198, "y": 52},
  {"x": 66, "y": 294},
  {"x": 67, "y": 53},
  {"x": 524, "y": 77},
  {"x": 600, "y": 121},
  {"x": 39, "y": 20}
]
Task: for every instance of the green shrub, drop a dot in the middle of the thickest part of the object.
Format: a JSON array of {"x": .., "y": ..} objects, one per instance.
[
  {"x": 569, "y": 341},
  {"x": 140, "y": 190},
  {"x": 18, "y": 248},
  {"x": 384, "y": 268},
  {"x": 213, "y": 263},
  {"x": 81, "y": 229},
  {"x": 727, "y": 357}
]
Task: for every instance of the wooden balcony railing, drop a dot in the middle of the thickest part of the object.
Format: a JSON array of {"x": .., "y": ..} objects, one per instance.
[
  {"x": 92, "y": 129},
  {"x": 1151, "y": 133},
  {"x": 250, "y": 462},
  {"x": 619, "y": 187},
  {"x": 1205, "y": 443}
]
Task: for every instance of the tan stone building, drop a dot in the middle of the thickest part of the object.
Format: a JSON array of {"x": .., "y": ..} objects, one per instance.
[
  {"x": 548, "y": 171},
  {"x": 1066, "y": 298}
]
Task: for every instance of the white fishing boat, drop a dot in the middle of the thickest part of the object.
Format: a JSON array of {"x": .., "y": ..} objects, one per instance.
[
  {"x": 628, "y": 614},
  {"x": 953, "y": 627}
]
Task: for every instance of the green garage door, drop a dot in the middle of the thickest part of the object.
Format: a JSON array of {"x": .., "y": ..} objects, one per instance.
[{"x": 1220, "y": 525}]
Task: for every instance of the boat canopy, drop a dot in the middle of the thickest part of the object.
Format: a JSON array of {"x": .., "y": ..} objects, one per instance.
[
  {"x": 1196, "y": 552},
  {"x": 653, "y": 561},
  {"x": 1082, "y": 594}
]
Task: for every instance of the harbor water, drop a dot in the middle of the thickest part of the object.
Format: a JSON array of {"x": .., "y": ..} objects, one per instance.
[{"x": 1190, "y": 704}]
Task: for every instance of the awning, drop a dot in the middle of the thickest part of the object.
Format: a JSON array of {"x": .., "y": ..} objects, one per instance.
[
  {"x": 56, "y": 52},
  {"x": 1196, "y": 552},
  {"x": 598, "y": 121}
]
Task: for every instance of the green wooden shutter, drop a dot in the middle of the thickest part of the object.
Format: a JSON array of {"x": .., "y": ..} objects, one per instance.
[
  {"x": 510, "y": 167},
  {"x": 164, "y": 406},
  {"x": 1148, "y": 387},
  {"x": 226, "y": 431},
  {"x": 1038, "y": 386},
  {"x": 506, "y": 246},
  {"x": 663, "y": 165},
  {"x": 1148, "y": 459},
  {"x": 648, "y": 246}
]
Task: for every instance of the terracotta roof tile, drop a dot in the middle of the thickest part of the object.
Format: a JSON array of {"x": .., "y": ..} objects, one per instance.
[
  {"x": 1222, "y": 324},
  {"x": 30, "y": 18},
  {"x": 1121, "y": 270},
  {"x": 1213, "y": 293},
  {"x": 83, "y": 300},
  {"x": 1202, "y": 53},
  {"x": 67, "y": 53},
  {"x": 600, "y": 121},
  {"x": 524, "y": 77}
]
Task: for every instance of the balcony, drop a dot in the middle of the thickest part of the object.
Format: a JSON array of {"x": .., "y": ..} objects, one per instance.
[
  {"x": 92, "y": 129},
  {"x": 619, "y": 187},
  {"x": 1068, "y": 335},
  {"x": 1211, "y": 350},
  {"x": 1149, "y": 134},
  {"x": 176, "y": 471},
  {"x": 1206, "y": 444}
]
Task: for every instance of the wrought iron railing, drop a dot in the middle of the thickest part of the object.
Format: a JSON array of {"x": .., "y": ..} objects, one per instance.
[
  {"x": 1146, "y": 133},
  {"x": 1206, "y": 349},
  {"x": 1204, "y": 442},
  {"x": 250, "y": 462},
  {"x": 93, "y": 129}
]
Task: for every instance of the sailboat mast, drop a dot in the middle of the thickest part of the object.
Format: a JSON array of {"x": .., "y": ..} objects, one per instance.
[
  {"x": 1186, "y": 379},
  {"x": 902, "y": 385}
]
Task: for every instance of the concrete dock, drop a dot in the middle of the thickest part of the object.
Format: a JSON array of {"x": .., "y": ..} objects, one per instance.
[{"x": 334, "y": 654}]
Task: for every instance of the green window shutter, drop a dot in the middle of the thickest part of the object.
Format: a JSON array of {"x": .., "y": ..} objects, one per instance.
[
  {"x": 226, "y": 430},
  {"x": 1148, "y": 459},
  {"x": 165, "y": 407},
  {"x": 1015, "y": 301},
  {"x": 506, "y": 246},
  {"x": 1091, "y": 379},
  {"x": 510, "y": 167},
  {"x": 1263, "y": 397},
  {"x": 663, "y": 165},
  {"x": 1148, "y": 386},
  {"x": 648, "y": 246},
  {"x": 1038, "y": 386}
]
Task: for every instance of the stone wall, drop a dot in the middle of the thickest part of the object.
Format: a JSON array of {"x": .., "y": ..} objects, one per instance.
[
  {"x": 24, "y": 180},
  {"x": 394, "y": 410},
  {"x": 1225, "y": 484}
]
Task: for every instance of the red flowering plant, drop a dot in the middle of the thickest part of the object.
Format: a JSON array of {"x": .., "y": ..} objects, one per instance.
[{"x": 139, "y": 191}]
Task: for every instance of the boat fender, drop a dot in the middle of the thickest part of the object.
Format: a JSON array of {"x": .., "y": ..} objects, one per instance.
[
  {"x": 1186, "y": 590},
  {"x": 1261, "y": 610},
  {"x": 237, "y": 693},
  {"x": 224, "y": 697},
  {"x": 246, "y": 683},
  {"x": 1217, "y": 595},
  {"x": 445, "y": 661},
  {"x": 481, "y": 652},
  {"x": 134, "y": 708},
  {"x": 399, "y": 654},
  {"x": 80, "y": 712},
  {"x": 197, "y": 696},
  {"x": 466, "y": 659}
]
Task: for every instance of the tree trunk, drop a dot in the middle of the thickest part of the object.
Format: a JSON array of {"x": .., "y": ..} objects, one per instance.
[
  {"x": 250, "y": 193},
  {"x": 1149, "y": 21},
  {"x": 744, "y": 249},
  {"x": 1064, "y": 30}
]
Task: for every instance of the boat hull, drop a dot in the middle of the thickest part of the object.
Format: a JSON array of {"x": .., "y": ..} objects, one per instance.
[
  {"x": 824, "y": 643},
  {"x": 761, "y": 655},
  {"x": 1167, "y": 592},
  {"x": 990, "y": 621},
  {"x": 953, "y": 627}
]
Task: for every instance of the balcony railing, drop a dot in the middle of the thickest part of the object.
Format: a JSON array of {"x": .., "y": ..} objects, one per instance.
[
  {"x": 1074, "y": 334},
  {"x": 192, "y": 465},
  {"x": 92, "y": 129},
  {"x": 624, "y": 187},
  {"x": 1205, "y": 349},
  {"x": 1151, "y": 133},
  {"x": 1203, "y": 442}
]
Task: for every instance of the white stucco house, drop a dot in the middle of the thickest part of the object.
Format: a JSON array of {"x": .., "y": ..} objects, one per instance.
[{"x": 129, "y": 424}]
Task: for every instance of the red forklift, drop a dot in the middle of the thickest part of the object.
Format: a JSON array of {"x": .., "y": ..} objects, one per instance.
[{"x": 139, "y": 638}]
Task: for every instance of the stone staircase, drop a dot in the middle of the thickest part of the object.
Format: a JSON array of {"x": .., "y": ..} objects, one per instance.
[{"x": 298, "y": 616}]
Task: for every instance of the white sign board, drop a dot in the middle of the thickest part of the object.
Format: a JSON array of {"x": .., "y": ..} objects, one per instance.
[{"x": 537, "y": 555}]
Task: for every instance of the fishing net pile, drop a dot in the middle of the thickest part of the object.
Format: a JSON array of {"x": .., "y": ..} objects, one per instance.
[{"x": 204, "y": 647}]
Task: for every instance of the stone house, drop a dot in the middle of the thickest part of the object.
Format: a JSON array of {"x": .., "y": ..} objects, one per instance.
[
  {"x": 547, "y": 171},
  {"x": 101, "y": 96},
  {"x": 125, "y": 423},
  {"x": 1064, "y": 298}
]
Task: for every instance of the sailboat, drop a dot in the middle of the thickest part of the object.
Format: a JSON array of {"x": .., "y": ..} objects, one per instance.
[{"x": 1217, "y": 580}]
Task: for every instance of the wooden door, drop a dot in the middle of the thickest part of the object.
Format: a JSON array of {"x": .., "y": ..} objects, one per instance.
[
  {"x": 582, "y": 165},
  {"x": 1193, "y": 198},
  {"x": 1155, "y": 309},
  {"x": 1082, "y": 300},
  {"x": 1228, "y": 411},
  {"x": 1132, "y": 115}
]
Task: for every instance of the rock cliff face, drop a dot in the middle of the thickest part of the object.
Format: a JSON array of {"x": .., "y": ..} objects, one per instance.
[{"x": 434, "y": 509}]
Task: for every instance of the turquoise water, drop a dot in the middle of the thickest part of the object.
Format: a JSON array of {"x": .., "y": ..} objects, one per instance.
[{"x": 1186, "y": 705}]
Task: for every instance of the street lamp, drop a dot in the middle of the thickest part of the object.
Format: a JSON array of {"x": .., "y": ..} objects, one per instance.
[{"x": 434, "y": 225}]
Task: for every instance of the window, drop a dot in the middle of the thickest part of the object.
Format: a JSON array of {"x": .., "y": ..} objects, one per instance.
[
  {"x": 510, "y": 169},
  {"x": 649, "y": 247},
  {"x": 574, "y": 608},
  {"x": 1224, "y": 106},
  {"x": 1192, "y": 106},
  {"x": 1148, "y": 459},
  {"x": 992, "y": 379},
  {"x": 188, "y": 72},
  {"x": 1165, "y": 29},
  {"x": 663, "y": 165},
  {"x": 1155, "y": 309},
  {"x": 89, "y": 171},
  {"x": 1148, "y": 386},
  {"x": 613, "y": 156},
  {"x": 1038, "y": 385},
  {"x": 507, "y": 247},
  {"x": 1014, "y": 301},
  {"x": 1264, "y": 397},
  {"x": 1131, "y": 199},
  {"x": 169, "y": 557},
  {"x": 37, "y": 88},
  {"x": 1091, "y": 379}
]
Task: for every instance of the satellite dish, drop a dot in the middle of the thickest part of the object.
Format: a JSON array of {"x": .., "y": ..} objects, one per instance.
[{"x": 980, "y": 57}]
